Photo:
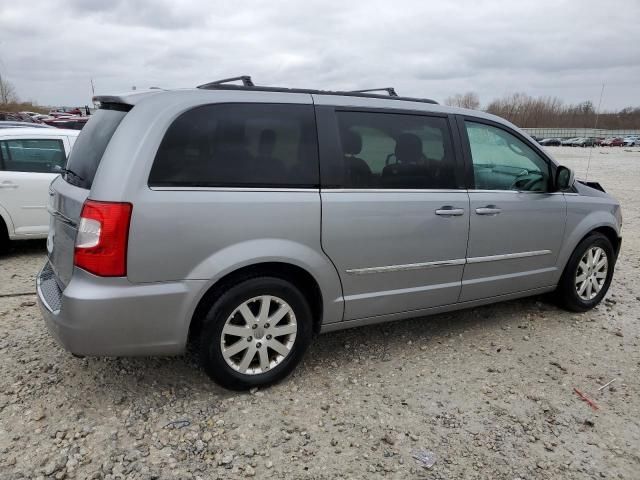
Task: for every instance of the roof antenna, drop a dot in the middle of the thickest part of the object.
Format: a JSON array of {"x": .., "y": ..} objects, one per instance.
[{"x": 586, "y": 177}]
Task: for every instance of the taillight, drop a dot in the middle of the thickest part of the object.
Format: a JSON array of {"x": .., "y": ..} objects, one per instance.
[{"x": 103, "y": 234}]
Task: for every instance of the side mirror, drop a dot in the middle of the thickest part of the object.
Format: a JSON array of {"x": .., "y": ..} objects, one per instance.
[{"x": 565, "y": 178}]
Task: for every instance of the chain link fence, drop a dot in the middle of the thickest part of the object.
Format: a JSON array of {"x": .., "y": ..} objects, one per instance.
[{"x": 578, "y": 132}]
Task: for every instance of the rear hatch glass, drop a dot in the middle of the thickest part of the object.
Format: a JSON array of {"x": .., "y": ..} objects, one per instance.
[
  {"x": 90, "y": 146},
  {"x": 67, "y": 196}
]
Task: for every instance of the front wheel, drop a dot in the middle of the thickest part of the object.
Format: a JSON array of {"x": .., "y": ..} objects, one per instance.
[
  {"x": 588, "y": 274},
  {"x": 256, "y": 333}
]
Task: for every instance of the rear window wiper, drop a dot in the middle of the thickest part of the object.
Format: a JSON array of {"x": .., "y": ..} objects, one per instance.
[{"x": 71, "y": 172}]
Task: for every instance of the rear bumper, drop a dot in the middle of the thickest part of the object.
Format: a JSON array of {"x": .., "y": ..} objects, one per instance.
[{"x": 113, "y": 317}]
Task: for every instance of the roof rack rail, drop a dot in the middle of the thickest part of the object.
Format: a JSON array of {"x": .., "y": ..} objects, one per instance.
[
  {"x": 390, "y": 90},
  {"x": 246, "y": 81},
  {"x": 247, "y": 84}
]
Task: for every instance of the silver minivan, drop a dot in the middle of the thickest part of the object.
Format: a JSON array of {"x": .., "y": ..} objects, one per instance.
[{"x": 244, "y": 220}]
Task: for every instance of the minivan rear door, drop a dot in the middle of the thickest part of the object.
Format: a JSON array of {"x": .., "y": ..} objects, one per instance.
[
  {"x": 68, "y": 192},
  {"x": 395, "y": 213}
]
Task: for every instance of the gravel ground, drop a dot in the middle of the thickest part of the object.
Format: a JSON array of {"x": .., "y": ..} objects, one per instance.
[{"x": 488, "y": 392}]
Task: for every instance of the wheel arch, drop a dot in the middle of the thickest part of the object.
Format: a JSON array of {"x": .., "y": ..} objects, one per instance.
[
  {"x": 4, "y": 236},
  {"x": 295, "y": 274},
  {"x": 5, "y": 220},
  {"x": 607, "y": 229},
  {"x": 611, "y": 234}
]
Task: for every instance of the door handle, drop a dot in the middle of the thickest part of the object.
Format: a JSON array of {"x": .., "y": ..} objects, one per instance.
[
  {"x": 449, "y": 211},
  {"x": 488, "y": 210},
  {"x": 8, "y": 185}
]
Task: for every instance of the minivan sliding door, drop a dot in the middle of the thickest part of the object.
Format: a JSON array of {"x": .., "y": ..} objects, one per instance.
[{"x": 395, "y": 214}]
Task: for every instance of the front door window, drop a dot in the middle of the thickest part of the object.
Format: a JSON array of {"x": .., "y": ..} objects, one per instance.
[{"x": 501, "y": 161}]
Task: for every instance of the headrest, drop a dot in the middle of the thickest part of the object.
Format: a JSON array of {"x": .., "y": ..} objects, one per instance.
[
  {"x": 267, "y": 136},
  {"x": 351, "y": 142},
  {"x": 408, "y": 148}
]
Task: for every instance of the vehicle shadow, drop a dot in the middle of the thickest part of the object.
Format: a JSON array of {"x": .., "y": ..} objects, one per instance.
[
  {"x": 332, "y": 352},
  {"x": 409, "y": 337},
  {"x": 25, "y": 247}
]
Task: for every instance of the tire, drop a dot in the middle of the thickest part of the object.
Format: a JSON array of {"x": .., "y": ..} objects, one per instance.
[
  {"x": 568, "y": 289},
  {"x": 267, "y": 366}
]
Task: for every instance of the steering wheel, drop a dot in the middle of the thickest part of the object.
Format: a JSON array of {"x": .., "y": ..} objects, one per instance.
[{"x": 526, "y": 184}]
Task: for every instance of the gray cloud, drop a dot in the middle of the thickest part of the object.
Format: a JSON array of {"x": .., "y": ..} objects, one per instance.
[
  {"x": 157, "y": 14},
  {"x": 50, "y": 49}
]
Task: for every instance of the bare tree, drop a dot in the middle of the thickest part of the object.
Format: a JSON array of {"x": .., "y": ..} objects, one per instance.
[
  {"x": 466, "y": 100},
  {"x": 7, "y": 91},
  {"x": 527, "y": 111}
]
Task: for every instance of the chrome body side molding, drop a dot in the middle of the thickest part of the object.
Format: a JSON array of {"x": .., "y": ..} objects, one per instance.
[
  {"x": 445, "y": 263},
  {"x": 508, "y": 256},
  {"x": 408, "y": 266}
]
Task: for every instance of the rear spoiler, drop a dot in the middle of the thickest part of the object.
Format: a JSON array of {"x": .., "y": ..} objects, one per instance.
[
  {"x": 120, "y": 107},
  {"x": 128, "y": 98}
]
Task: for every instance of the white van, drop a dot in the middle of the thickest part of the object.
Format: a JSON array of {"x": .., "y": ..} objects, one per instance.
[{"x": 30, "y": 158}]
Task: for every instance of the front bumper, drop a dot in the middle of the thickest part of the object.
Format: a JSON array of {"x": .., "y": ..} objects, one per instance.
[{"x": 114, "y": 317}]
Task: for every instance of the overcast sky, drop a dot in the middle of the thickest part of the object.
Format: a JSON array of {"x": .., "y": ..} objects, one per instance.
[{"x": 50, "y": 49}]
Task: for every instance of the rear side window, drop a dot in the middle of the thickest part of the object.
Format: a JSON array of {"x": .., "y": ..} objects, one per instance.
[
  {"x": 32, "y": 155},
  {"x": 90, "y": 146},
  {"x": 239, "y": 145},
  {"x": 388, "y": 150}
]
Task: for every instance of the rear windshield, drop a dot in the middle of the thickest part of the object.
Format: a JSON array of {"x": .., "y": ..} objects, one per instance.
[{"x": 90, "y": 146}]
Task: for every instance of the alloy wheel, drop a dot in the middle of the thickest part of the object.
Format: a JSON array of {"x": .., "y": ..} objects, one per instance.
[
  {"x": 591, "y": 273},
  {"x": 258, "y": 335}
]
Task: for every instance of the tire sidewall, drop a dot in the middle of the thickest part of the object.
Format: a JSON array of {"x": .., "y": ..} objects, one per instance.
[
  {"x": 211, "y": 353},
  {"x": 572, "y": 299}
]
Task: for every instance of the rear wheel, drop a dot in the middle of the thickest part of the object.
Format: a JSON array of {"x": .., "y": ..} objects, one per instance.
[
  {"x": 588, "y": 274},
  {"x": 256, "y": 333}
]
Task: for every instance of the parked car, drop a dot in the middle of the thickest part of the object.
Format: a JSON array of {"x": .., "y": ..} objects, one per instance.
[
  {"x": 569, "y": 141},
  {"x": 631, "y": 141},
  {"x": 8, "y": 124},
  {"x": 28, "y": 118},
  {"x": 9, "y": 117},
  {"x": 73, "y": 123},
  {"x": 40, "y": 117},
  {"x": 550, "y": 142},
  {"x": 65, "y": 111},
  {"x": 584, "y": 142},
  {"x": 612, "y": 142},
  {"x": 59, "y": 113},
  {"x": 247, "y": 219},
  {"x": 30, "y": 158}
]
